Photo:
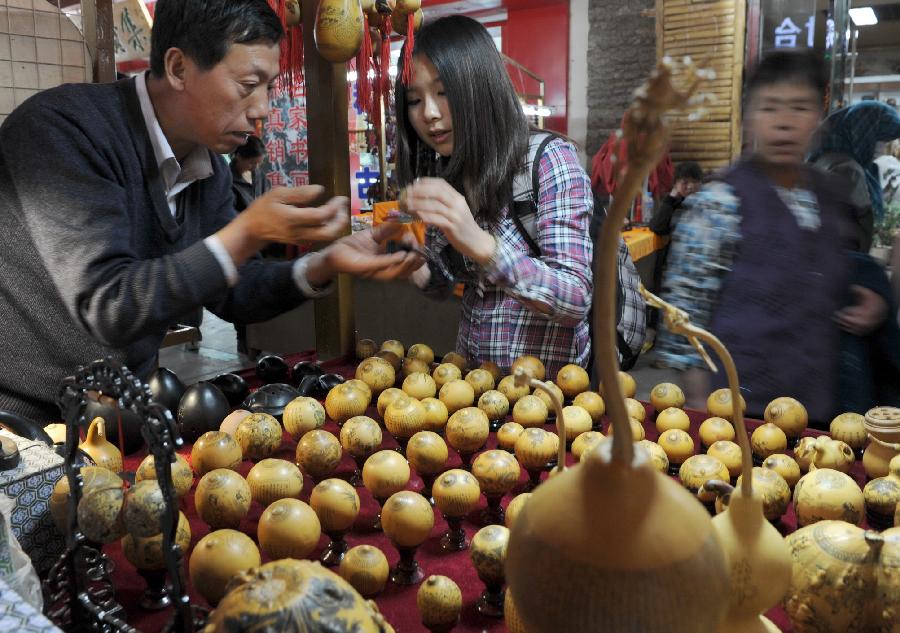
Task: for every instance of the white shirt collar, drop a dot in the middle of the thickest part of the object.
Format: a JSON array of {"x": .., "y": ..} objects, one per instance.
[{"x": 197, "y": 165}]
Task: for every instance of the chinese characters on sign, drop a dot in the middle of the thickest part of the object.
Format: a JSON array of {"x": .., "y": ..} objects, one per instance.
[
  {"x": 788, "y": 24},
  {"x": 131, "y": 38},
  {"x": 286, "y": 163}
]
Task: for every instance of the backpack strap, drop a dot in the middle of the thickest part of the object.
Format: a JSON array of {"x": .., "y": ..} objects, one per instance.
[{"x": 524, "y": 204}]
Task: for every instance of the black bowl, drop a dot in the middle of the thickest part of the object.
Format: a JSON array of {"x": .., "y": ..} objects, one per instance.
[
  {"x": 271, "y": 399},
  {"x": 329, "y": 382},
  {"x": 202, "y": 409},
  {"x": 303, "y": 369},
  {"x": 319, "y": 386},
  {"x": 233, "y": 386},
  {"x": 272, "y": 369},
  {"x": 309, "y": 386}
]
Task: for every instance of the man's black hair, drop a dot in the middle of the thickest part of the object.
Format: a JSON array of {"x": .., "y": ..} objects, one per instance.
[
  {"x": 789, "y": 66},
  {"x": 689, "y": 170},
  {"x": 205, "y": 29}
]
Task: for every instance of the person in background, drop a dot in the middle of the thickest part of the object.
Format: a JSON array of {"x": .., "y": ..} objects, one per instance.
[
  {"x": 133, "y": 228},
  {"x": 247, "y": 182},
  {"x": 462, "y": 141},
  {"x": 688, "y": 180},
  {"x": 888, "y": 164},
  {"x": 758, "y": 257},
  {"x": 846, "y": 145},
  {"x": 870, "y": 339}
]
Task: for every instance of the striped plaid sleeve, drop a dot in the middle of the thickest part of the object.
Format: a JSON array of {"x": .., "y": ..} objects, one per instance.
[
  {"x": 561, "y": 277},
  {"x": 702, "y": 253}
]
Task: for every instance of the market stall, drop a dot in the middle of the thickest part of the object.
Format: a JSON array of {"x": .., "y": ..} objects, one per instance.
[{"x": 397, "y": 603}]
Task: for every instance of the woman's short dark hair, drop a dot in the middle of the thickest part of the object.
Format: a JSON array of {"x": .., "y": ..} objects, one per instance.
[
  {"x": 490, "y": 131},
  {"x": 793, "y": 66},
  {"x": 205, "y": 29},
  {"x": 253, "y": 148}
]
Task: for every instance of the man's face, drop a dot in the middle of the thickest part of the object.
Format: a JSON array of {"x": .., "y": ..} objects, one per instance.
[
  {"x": 223, "y": 103},
  {"x": 781, "y": 120},
  {"x": 687, "y": 186}
]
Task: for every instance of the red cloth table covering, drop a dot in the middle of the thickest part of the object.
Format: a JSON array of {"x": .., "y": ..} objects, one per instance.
[{"x": 397, "y": 604}]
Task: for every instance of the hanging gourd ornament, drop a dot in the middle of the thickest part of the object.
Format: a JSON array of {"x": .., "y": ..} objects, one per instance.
[{"x": 339, "y": 29}]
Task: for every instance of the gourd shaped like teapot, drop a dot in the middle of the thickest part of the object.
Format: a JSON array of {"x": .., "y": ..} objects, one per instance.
[
  {"x": 834, "y": 454},
  {"x": 844, "y": 579},
  {"x": 613, "y": 542},
  {"x": 102, "y": 451}
]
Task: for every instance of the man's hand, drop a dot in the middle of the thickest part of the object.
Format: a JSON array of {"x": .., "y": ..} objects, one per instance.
[
  {"x": 864, "y": 316},
  {"x": 283, "y": 215},
  {"x": 363, "y": 255}
]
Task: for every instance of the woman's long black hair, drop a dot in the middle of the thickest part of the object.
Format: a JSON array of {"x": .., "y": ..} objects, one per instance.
[{"x": 490, "y": 131}]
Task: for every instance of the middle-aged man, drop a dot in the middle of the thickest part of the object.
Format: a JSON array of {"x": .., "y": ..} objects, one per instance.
[{"x": 117, "y": 211}]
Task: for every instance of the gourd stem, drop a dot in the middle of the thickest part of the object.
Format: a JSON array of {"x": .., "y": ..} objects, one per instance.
[
  {"x": 560, "y": 423},
  {"x": 646, "y": 135},
  {"x": 523, "y": 377},
  {"x": 605, "y": 280}
]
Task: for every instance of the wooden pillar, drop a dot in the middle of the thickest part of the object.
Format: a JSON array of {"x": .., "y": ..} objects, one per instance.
[
  {"x": 97, "y": 21},
  {"x": 329, "y": 166}
]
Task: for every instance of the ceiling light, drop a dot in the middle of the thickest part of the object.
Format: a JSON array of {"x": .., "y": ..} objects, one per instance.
[{"x": 864, "y": 16}]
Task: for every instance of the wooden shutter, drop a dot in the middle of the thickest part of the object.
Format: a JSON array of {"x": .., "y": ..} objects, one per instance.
[{"x": 712, "y": 31}]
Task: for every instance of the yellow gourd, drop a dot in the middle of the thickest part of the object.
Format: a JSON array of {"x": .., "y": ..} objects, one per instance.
[{"x": 102, "y": 451}]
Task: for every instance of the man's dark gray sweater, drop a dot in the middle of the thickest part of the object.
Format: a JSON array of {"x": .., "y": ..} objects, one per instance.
[{"x": 92, "y": 263}]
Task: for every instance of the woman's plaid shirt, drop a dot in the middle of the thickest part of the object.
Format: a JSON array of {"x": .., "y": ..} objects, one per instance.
[{"x": 500, "y": 320}]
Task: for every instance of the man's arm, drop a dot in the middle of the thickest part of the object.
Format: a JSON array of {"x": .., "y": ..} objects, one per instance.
[{"x": 661, "y": 222}]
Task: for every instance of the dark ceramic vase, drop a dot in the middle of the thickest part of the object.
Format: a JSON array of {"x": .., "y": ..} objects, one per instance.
[
  {"x": 202, "y": 408},
  {"x": 166, "y": 388}
]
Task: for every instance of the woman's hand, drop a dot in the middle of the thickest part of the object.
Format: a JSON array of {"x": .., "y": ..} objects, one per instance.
[{"x": 437, "y": 204}]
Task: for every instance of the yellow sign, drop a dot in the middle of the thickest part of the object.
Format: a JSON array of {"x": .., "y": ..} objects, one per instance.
[{"x": 132, "y": 30}]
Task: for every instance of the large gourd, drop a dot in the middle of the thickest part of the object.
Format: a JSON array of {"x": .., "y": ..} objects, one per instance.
[
  {"x": 587, "y": 548},
  {"x": 294, "y": 596}
]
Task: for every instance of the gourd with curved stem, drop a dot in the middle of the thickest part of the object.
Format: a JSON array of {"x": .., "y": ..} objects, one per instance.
[
  {"x": 758, "y": 557},
  {"x": 523, "y": 378},
  {"x": 584, "y": 535}
]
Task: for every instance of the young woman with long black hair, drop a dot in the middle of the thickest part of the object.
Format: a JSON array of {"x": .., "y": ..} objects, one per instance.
[{"x": 463, "y": 139}]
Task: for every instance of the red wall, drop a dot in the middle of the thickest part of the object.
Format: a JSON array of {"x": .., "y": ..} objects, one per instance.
[{"x": 539, "y": 40}]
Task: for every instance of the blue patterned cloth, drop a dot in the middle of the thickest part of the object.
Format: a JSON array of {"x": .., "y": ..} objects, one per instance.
[
  {"x": 854, "y": 131},
  {"x": 701, "y": 254}
]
